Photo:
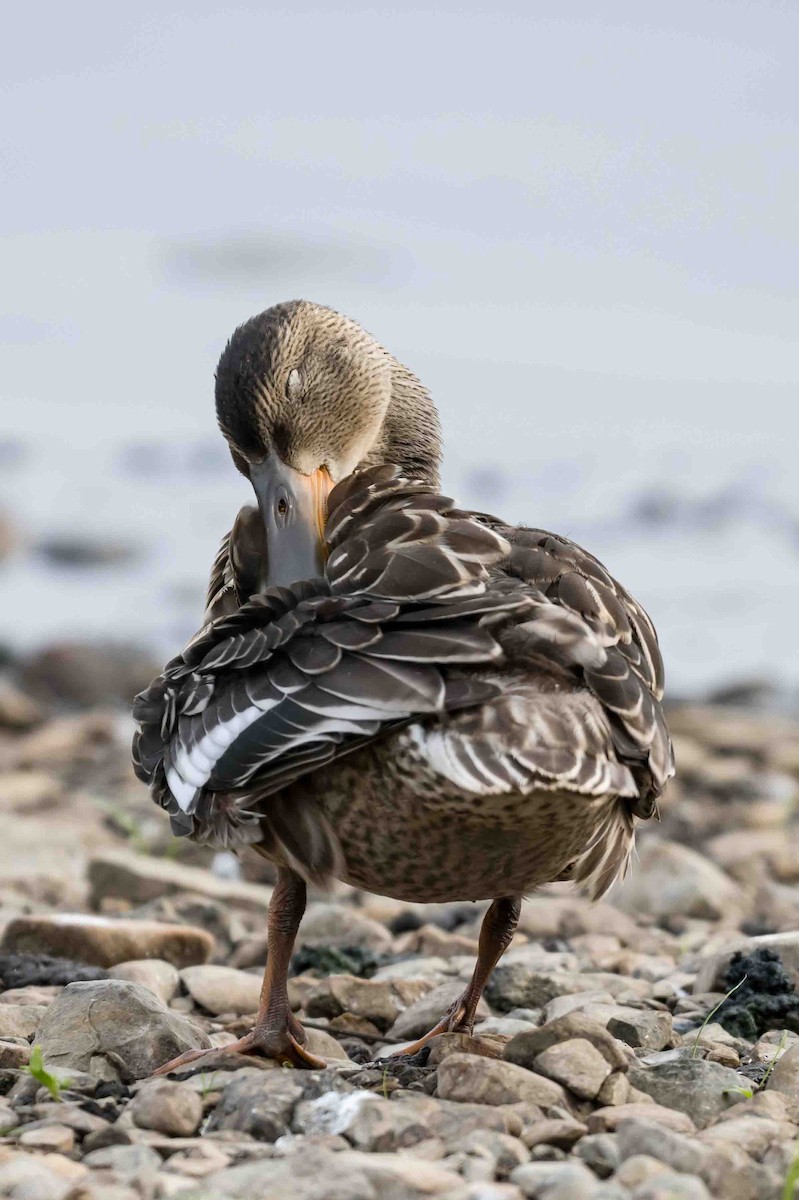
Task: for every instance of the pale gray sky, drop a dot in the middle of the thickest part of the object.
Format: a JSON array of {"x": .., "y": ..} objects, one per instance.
[{"x": 577, "y": 222}]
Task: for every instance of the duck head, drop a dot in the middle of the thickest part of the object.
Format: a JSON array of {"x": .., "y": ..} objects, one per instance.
[{"x": 305, "y": 397}]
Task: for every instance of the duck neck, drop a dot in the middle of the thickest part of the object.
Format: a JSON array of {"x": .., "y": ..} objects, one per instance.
[{"x": 410, "y": 437}]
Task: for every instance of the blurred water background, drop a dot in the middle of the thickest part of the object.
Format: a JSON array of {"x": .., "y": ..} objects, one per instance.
[{"x": 578, "y": 228}]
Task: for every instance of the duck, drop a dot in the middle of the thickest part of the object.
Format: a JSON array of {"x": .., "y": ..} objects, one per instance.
[{"x": 388, "y": 690}]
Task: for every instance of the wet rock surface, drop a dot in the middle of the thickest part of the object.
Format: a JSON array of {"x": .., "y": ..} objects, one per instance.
[{"x": 592, "y": 1070}]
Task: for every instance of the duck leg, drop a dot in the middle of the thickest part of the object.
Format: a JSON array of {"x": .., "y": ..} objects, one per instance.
[
  {"x": 496, "y": 933},
  {"x": 277, "y": 1033}
]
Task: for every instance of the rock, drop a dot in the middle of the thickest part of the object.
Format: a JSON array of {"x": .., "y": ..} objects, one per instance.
[
  {"x": 702, "y": 1090},
  {"x": 259, "y": 1103},
  {"x": 555, "y": 1180},
  {"x": 444, "y": 1044},
  {"x": 89, "y": 674},
  {"x": 562, "y": 1132},
  {"x": 20, "y": 1020},
  {"x": 64, "y": 741},
  {"x": 576, "y": 1064},
  {"x": 615, "y": 1090},
  {"x": 19, "y": 971},
  {"x": 370, "y": 1122},
  {"x": 30, "y": 791},
  {"x": 26, "y": 1178},
  {"x": 469, "y": 1077},
  {"x": 120, "y": 1024},
  {"x": 676, "y": 1150},
  {"x": 599, "y": 1151},
  {"x": 155, "y": 974},
  {"x": 105, "y": 942},
  {"x": 785, "y": 1079},
  {"x": 367, "y": 1121},
  {"x": 402, "y": 1175},
  {"x": 316, "y": 1175},
  {"x": 643, "y": 1028},
  {"x": 753, "y": 1134},
  {"x": 138, "y": 878},
  {"x": 671, "y": 1186},
  {"x": 14, "y": 1055},
  {"x": 525, "y": 1047},
  {"x": 674, "y": 880},
  {"x": 606, "y": 1120},
  {"x": 18, "y": 711},
  {"x": 58, "y": 1139},
  {"x": 223, "y": 989},
  {"x": 126, "y": 1162},
  {"x": 423, "y": 1014},
  {"x": 342, "y": 925},
  {"x": 730, "y": 1173},
  {"x": 711, "y": 969},
  {"x": 167, "y": 1107},
  {"x": 562, "y": 1005},
  {"x": 380, "y": 1001}
]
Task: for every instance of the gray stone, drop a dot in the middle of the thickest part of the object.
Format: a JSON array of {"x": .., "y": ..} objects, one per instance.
[
  {"x": 378, "y": 1000},
  {"x": 421, "y": 1016},
  {"x": 342, "y": 925},
  {"x": 672, "y": 1186},
  {"x": 20, "y": 1020},
  {"x": 703, "y": 1090},
  {"x": 605, "y": 1120},
  {"x": 524, "y": 1048},
  {"x": 555, "y": 1180},
  {"x": 673, "y": 880},
  {"x": 490, "y": 1081},
  {"x": 676, "y": 1150},
  {"x": 157, "y": 975},
  {"x": 259, "y": 1103},
  {"x": 28, "y": 1178},
  {"x": 643, "y": 1028},
  {"x": 126, "y": 1162},
  {"x": 600, "y": 1152},
  {"x": 785, "y": 1079},
  {"x": 223, "y": 989},
  {"x": 121, "y": 1024},
  {"x": 167, "y": 1107},
  {"x": 504, "y": 1152},
  {"x": 576, "y": 1064},
  {"x": 138, "y": 878}
]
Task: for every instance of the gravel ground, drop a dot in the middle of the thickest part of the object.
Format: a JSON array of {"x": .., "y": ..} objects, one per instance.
[{"x": 598, "y": 1067}]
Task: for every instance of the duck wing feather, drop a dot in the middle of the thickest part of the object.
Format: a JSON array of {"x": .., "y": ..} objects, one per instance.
[{"x": 295, "y": 677}]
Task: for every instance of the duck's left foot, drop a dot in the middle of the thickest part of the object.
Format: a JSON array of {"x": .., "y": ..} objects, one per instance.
[
  {"x": 455, "y": 1020},
  {"x": 496, "y": 932},
  {"x": 284, "y": 1046}
]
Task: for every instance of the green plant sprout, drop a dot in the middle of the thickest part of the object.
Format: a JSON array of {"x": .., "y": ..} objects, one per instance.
[
  {"x": 791, "y": 1179},
  {"x": 37, "y": 1069},
  {"x": 712, "y": 1014}
]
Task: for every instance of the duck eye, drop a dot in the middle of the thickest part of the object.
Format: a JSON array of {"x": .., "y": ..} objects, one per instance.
[
  {"x": 294, "y": 385},
  {"x": 282, "y": 506}
]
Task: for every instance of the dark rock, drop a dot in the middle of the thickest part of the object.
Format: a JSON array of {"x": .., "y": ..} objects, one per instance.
[
  {"x": 764, "y": 997},
  {"x": 701, "y": 1089},
  {"x": 333, "y": 960},
  {"x": 260, "y": 1103},
  {"x": 42, "y": 970}
]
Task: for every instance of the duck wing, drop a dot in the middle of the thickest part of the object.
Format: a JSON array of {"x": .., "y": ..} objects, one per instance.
[
  {"x": 586, "y": 625},
  {"x": 239, "y": 566},
  {"x": 298, "y": 676}
]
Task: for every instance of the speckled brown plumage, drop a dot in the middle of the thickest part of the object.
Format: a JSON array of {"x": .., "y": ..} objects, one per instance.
[{"x": 457, "y": 709}]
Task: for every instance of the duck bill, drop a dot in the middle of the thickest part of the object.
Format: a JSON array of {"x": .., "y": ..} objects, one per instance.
[{"x": 294, "y": 511}]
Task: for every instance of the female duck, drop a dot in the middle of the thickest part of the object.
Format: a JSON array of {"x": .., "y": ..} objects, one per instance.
[{"x": 423, "y": 702}]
